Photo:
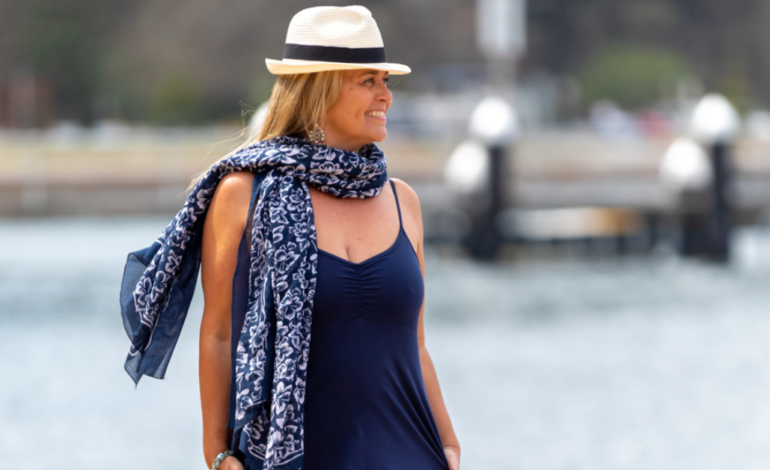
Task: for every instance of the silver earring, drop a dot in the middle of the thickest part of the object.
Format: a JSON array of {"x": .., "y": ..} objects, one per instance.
[{"x": 318, "y": 135}]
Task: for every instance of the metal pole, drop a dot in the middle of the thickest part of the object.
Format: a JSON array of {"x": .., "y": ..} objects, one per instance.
[
  {"x": 485, "y": 240},
  {"x": 720, "y": 223}
]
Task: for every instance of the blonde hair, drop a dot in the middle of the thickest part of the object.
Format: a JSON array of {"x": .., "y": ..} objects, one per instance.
[{"x": 297, "y": 104}]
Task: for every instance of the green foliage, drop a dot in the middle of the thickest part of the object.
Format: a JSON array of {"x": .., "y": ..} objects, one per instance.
[
  {"x": 91, "y": 51},
  {"x": 178, "y": 100},
  {"x": 633, "y": 76},
  {"x": 58, "y": 41},
  {"x": 734, "y": 84}
]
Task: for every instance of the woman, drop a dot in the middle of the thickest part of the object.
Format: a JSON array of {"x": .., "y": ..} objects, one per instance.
[{"x": 311, "y": 236}]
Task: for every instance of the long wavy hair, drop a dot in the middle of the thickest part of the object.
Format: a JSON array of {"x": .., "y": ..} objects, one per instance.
[{"x": 297, "y": 104}]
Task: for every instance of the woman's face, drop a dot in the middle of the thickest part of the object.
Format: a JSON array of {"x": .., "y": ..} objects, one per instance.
[{"x": 357, "y": 117}]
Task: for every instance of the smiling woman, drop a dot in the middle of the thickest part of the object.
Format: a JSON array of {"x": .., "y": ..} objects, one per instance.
[
  {"x": 300, "y": 235},
  {"x": 371, "y": 394}
]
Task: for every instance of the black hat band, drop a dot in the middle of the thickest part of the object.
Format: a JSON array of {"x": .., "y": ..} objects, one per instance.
[{"x": 364, "y": 55}]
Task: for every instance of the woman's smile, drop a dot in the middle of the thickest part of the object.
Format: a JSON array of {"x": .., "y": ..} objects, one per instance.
[{"x": 377, "y": 115}]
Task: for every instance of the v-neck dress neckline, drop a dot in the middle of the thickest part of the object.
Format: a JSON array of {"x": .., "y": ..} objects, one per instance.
[{"x": 401, "y": 233}]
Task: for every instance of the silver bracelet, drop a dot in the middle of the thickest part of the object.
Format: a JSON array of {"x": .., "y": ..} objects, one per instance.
[{"x": 220, "y": 458}]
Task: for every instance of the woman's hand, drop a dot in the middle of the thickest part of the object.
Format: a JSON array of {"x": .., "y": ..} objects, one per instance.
[
  {"x": 452, "y": 457},
  {"x": 231, "y": 463}
]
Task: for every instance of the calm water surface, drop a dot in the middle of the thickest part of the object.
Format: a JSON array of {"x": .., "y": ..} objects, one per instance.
[{"x": 596, "y": 364}]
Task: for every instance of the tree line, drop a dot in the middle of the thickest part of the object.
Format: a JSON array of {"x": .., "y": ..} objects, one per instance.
[{"x": 199, "y": 61}]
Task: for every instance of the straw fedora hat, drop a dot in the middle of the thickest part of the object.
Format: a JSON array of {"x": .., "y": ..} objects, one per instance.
[{"x": 333, "y": 38}]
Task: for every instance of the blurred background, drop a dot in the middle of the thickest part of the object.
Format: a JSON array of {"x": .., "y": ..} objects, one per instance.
[{"x": 595, "y": 184}]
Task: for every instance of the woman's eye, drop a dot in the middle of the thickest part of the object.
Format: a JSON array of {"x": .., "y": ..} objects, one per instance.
[{"x": 370, "y": 81}]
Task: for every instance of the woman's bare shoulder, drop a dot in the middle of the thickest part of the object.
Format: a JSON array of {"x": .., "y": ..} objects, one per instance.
[
  {"x": 234, "y": 186},
  {"x": 235, "y": 182},
  {"x": 406, "y": 194},
  {"x": 231, "y": 198},
  {"x": 409, "y": 201}
]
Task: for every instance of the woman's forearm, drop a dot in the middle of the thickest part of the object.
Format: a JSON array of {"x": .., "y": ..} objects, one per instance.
[
  {"x": 440, "y": 414},
  {"x": 214, "y": 375}
]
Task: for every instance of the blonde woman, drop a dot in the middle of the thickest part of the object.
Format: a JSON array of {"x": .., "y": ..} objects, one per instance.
[{"x": 312, "y": 347}]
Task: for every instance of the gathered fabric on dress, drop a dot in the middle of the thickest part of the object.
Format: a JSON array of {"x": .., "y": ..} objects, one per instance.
[{"x": 366, "y": 407}]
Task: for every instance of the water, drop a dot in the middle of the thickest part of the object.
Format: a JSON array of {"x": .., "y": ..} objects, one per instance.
[{"x": 595, "y": 364}]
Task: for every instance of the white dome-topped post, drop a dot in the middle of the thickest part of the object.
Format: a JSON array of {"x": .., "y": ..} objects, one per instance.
[
  {"x": 716, "y": 125},
  {"x": 483, "y": 160},
  {"x": 494, "y": 122},
  {"x": 714, "y": 120},
  {"x": 467, "y": 170},
  {"x": 686, "y": 175},
  {"x": 685, "y": 167},
  {"x": 478, "y": 169}
]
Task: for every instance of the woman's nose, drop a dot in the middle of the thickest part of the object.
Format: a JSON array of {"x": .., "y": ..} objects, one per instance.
[{"x": 384, "y": 93}]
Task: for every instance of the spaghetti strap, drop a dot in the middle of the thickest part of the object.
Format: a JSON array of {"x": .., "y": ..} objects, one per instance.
[{"x": 398, "y": 206}]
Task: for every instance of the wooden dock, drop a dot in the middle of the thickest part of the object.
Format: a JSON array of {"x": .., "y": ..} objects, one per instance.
[{"x": 144, "y": 170}]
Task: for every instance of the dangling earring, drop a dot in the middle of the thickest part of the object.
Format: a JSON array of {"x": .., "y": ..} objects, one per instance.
[{"x": 318, "y": 135}]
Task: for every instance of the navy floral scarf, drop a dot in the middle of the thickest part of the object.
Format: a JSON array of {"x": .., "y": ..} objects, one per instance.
[{"x": 273, "y": 346}]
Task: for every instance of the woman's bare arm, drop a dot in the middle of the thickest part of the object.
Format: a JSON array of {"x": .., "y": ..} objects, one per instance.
[
  {"x": 222, "y": 231},
  {"x": 413, "y": 217}
]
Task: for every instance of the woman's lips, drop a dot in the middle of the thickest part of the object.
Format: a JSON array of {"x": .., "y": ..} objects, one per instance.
[{"x": 379, "y": 115}]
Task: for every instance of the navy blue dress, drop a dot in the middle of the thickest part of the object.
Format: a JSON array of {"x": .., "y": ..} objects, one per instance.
[{"x": 365, "y": 402}]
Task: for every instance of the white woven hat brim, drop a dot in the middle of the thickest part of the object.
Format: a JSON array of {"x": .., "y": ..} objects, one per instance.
[{"x": 293, "y": 66}]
